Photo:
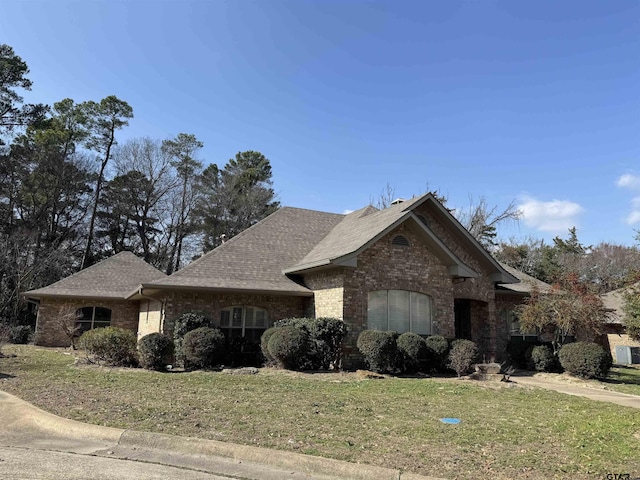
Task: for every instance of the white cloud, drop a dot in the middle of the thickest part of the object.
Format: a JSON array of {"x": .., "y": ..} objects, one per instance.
[
  {"x": 634, "y": 216},
  {"x": 629, "y": 181},
  {"x": 632, "y": 182},
  {"x": 552, "y": 216}
]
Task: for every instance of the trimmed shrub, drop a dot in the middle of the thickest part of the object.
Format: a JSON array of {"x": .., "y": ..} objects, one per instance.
[
  {"x": 264, "y": 346},
  {"x": 20, "y": 334},
  {"x": 380, "y": 350},
  {"x": 462, "y": 355},
  {"x": 289, "y": 347},
  {"x": 155, "y": 351},
  {"x": 182, "y": 325},
  {"x": 438, "y": 349},
  {"x": 203, "y": 347},
  {"x": 413, "y": 349},
  {"x": 325, "y": 335},
  {"x": 540, "y": 358},
  {"x": 111, "y": 346},
  {"x": 585, "y": 360}
]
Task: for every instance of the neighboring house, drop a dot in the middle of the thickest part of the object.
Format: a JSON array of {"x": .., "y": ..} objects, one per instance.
[
  {"x": 620, "y": 344},
  {"x": 409, "y": 267}
]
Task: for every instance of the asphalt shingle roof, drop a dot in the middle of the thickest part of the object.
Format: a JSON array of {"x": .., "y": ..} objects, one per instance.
[
  {"x": 114, "y": 278},
  {"x": 527, "y": 282},
  {"x": 254, "y": 259}
]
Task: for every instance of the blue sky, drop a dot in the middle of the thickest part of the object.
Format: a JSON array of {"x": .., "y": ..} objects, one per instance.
[{"x": 532, "y": 102}]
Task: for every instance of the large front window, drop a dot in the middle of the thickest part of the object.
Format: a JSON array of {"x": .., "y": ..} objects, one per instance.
[
  {"x": 244, "y": 321},
  {"x": 88, "y": 318},
  {"x": 400, "y": 311}
]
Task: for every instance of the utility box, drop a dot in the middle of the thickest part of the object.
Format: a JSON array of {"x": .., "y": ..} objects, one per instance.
[{"x": 627, "y": 355}]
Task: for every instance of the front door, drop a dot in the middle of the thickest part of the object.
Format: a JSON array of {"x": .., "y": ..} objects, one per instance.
[{"x": 462, "y": 313}]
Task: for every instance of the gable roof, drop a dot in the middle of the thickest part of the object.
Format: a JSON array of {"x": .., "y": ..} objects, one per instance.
[
  {"x": 112, "y": 278},
  {"x": 358, "y": 230},
  {"x": 254, "y": 259},
  {"x": 613, "y": 302}
]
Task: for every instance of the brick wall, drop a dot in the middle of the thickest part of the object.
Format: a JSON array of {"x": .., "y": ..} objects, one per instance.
[
  {"x": 384, "y": 266},
  {"x": 210, "y": 304},
  {"x": 49, "y": 333}
]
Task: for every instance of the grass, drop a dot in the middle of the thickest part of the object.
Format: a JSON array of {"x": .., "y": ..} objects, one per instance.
[
  {"x": 505, "y": 432},
  {"x": 624, "y": 379}
]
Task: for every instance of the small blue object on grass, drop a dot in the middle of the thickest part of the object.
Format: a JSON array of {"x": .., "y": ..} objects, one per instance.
[{"x": 451, "y": 421}]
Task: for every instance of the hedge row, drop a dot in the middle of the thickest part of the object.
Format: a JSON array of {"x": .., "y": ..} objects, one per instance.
[
  {"x": 389, "y": 352},
  {"x": 304, "y": 343}
]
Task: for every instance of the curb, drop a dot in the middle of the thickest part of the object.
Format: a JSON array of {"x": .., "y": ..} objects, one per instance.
[
  {"x": 20, "y": 416},
  {"x": 274, "y": 458}
]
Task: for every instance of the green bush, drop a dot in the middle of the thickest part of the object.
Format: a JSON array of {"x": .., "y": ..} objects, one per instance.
[
  {"x": 462, "y": 356},
  {"x": 203, "y": 347},
  {"x": 155, "y": 351},
  {"x": 438, "y": 349},
  {"x": 380, "y": 350},
  {"x": 20, "y": 334},
  {"x": 111, "y": 346},
  {"x": 585, "y": 360},
  {"x": 325, "y": 335},
  {"x": 540, "y": 358},
  {"x": 264, "y": 346},
  {"x": 288, "y": 346},
  {"x": 182, "y": 325},
  {"x": 413, "y": 349}
]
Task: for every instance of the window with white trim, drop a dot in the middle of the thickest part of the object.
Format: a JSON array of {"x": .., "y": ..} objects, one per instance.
[
  {"x": 400, "y": 311},
  {"x": 88, "y": 318},
  {"x": 244, "y": 321}
]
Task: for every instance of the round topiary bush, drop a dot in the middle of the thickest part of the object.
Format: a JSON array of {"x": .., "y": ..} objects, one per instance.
[
  {"x": 203, "y": 347},
  {"x": 462, "y": 356},
  {"x": 438, "y": 349},
  {"x": 288, "y": 346},
  {"x": 379, "y": 349},
  {"x": 264, "y": 346},
  {"x": 585, "y": 360},
  {"x": 540, "y": 358},
  {"x": 155, "y": 351},
  {"x": 413, "y": 349},
  {"x": 185, "y": 323},
  {"x": 111, "y": 346}
]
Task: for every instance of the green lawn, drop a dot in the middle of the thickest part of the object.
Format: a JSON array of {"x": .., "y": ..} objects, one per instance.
[
  {"x": 506, "y": 431},
  {"x": 624, "y": 379}
]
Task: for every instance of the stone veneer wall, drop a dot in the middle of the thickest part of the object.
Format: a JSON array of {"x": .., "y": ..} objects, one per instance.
[
  {"x": 124, "y": 314},
  {"x": 210, "y": 304}
]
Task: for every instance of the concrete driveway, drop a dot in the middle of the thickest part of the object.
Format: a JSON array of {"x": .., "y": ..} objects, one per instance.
[{"x": 35, "y": 444}]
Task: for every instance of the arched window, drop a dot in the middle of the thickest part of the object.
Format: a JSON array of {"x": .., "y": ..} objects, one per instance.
[
  {"x": 88, "y": 318},
  {"x": 400, "y": 311},
  {"x": 400, "y": 241},
  {"x": 244, "y": 321}
]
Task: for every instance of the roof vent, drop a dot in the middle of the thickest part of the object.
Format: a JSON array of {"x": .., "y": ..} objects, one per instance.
[
  {"x": 400, "y": 241},
  {"x": 398, "y": 201}
]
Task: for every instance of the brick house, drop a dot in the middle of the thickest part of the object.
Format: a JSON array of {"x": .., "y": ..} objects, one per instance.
[{"x": 409, "y": 267}]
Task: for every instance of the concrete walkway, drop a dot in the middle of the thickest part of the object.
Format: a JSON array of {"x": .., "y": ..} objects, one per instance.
[
  {"x": 24, "y": 426},
  {"x": 600, "y": 395}
]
